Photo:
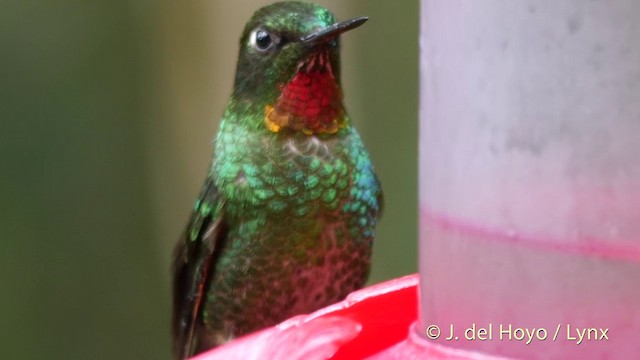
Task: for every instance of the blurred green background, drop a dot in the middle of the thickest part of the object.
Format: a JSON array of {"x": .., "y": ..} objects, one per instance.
[{"x": 107, "y": 112}]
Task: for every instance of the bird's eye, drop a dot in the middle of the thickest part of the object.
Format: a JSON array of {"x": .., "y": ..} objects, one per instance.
[{"x": 262, "y": 40}]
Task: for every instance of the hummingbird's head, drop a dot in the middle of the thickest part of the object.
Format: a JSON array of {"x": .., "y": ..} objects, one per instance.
[{"x": 289, "y": 67}]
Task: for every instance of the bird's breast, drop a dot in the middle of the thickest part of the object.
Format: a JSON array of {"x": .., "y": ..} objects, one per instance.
[{"x": 285, "y": 178}]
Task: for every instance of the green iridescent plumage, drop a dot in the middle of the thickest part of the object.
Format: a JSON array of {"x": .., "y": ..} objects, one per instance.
[{"x": 286, "y": 219}]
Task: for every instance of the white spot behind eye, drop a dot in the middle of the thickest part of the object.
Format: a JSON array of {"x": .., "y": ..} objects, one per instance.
[{"x": 252, "y": 38}]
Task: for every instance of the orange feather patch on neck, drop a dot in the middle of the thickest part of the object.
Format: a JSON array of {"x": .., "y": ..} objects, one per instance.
[{"x": 311, "y": 102}]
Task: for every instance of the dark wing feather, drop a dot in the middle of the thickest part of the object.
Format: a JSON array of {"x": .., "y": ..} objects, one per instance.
[{"x": 195, "y": 256}]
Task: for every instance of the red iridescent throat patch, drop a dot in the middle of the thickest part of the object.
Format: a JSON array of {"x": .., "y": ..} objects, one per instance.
[{"x": 311, "y": 102}]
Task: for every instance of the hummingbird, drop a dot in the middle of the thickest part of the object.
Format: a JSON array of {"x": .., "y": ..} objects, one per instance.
[{"x": 285, "y": 221}]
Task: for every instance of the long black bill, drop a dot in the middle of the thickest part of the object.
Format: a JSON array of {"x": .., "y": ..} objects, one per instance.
[{"x": 334, "y": 30}]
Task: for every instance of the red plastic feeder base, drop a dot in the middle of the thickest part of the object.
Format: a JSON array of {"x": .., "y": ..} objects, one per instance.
[{"x": 372, "y": 323}]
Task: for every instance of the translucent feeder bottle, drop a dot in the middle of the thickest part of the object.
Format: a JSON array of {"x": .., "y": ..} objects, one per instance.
[{"x": 530, "y": 177}]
